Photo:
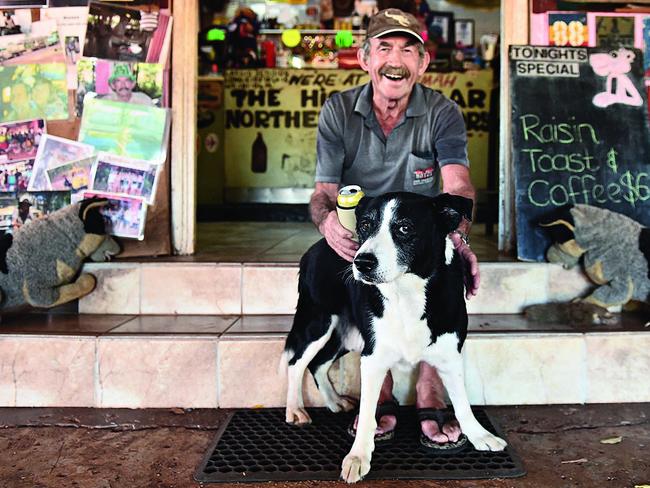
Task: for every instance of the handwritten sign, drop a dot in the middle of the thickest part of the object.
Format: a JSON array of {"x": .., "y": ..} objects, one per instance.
[
  {"x": 271, "y": 117},
  {"x": 580, "y": 135}
]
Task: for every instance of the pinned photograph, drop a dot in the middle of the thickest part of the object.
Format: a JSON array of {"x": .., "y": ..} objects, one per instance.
[
  {"x": 33, "y": 91},
  {"x": 15, "y": 176},
  {"x": 122, "y": 33},
  {"x": 140, "y": 83},
  {"x": 14, "y": 22},
  {"x": 20, "y": 140},
  {"x": 124, "y": 176},
  {"x": 40, "y": 45},
  {"x": 124, "y": 216},
  {"x": 73, "y": 176},
  {"x": 126, "y": 129},
  {"x": 18, "y": 211},
  {"x": 52, "y": 152}
]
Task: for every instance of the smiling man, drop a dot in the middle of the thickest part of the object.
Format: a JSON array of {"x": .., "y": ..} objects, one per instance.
[
  {"x": 122, "y": 83},
  {"x": 394, "y": 134}
]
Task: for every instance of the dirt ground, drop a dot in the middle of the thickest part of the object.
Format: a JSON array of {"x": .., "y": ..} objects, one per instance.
[{"x": 90, "y": 448}]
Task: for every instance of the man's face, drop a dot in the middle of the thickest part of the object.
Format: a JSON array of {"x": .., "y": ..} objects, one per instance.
[
  {"x": 394, "y": 65},
  {"x": 123, "y": 86}
]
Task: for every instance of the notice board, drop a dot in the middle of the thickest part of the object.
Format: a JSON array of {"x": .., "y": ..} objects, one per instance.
[{"x": 579, "y": 135}]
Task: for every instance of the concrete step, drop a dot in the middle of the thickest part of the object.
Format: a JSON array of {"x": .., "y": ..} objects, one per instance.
[
  {"x": 209, "y": 361},
  {"x": 208, "y": 288}
]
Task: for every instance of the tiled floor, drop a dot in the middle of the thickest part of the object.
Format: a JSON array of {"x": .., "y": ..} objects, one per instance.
[
  {"x": 232, "y": 325},
  {"x": 285, "y": 242}
]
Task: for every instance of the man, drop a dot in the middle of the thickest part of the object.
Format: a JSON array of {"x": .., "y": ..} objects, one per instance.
[
  {"x": 122, "y": 82},
  {"x": 394, "y": 134}
]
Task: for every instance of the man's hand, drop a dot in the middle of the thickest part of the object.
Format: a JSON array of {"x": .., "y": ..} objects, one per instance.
[
  {"x": 472, "y": 275},
  {"x": 338, "y": 237}
]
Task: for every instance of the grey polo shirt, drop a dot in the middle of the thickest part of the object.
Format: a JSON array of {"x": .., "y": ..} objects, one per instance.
[{"x": 353, "y": 150}]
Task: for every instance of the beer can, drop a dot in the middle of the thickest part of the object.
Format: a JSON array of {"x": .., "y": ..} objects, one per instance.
[
  {"x": 346, "y": 202},
  {"x": 349, "y": 196}
]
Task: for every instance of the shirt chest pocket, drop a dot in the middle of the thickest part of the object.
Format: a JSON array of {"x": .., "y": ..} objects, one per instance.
[{"x": 420, "y": 173}]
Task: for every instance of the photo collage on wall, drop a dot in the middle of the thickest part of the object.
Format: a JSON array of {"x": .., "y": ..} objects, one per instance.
[{"x": 109, "y": 64}]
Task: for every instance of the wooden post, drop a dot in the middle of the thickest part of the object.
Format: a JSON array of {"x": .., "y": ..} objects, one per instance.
[
  {"x": 515, "y": 21},
  {"x": 184, "y": 75}
]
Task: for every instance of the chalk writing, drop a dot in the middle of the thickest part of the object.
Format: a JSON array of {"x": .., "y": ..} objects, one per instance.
[{"x": 562, "y": 132}]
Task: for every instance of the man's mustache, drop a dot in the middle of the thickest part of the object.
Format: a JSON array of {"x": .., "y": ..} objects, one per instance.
[{"x": 395, "y": 71}]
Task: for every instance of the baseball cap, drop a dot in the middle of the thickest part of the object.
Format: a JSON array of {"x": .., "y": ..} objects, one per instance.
[
  {"x": 394, "y": 20},
  {"x": 121, "y": 71}
]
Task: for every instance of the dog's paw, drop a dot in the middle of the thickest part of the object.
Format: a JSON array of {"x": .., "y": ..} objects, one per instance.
[
  {"x": 297, "y": 416},
  {"x": 341, "y": 404},
  {"x": 488, "y": 442},
  {"x": 354, "y": 468}
]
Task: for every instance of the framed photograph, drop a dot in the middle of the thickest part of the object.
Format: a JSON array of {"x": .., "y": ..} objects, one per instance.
[
  {"x": 464, "y": 33},
  {"x": 20, "y": 140},
  {"x": 54, "y": 151},
  {"x": 73, "y": 176},
  {"x": 124, "y": 216},
  {"x": 125, "y": 176},
  {"x": 440, "y": 27}
]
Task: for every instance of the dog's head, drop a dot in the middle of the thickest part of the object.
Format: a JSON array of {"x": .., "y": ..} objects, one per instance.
[{"x": 405, "y": 233}]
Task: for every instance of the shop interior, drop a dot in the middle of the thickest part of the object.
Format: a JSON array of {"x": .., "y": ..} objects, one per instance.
[{"x": 255, "y": 164}]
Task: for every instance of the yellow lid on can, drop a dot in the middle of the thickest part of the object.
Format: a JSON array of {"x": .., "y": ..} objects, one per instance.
[{"x": 349, "y": 196}]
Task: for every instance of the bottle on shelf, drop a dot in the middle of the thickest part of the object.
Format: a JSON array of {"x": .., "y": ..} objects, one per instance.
[{"x": 259, "y": 155}]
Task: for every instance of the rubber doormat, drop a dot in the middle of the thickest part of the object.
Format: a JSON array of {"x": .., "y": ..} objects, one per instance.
[{"x": 257, "y": 445}]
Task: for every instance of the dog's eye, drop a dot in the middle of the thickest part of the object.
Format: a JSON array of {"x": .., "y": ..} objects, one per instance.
[
  {"x": 364, "y": 226},
  {"x": 404, "y": 229}
]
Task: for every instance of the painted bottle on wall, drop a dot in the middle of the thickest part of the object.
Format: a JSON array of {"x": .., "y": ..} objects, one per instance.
[{"x": 258, "y": 157}]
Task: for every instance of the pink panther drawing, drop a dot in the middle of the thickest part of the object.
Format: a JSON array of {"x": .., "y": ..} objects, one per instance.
[{"x": 620, "y": 89}]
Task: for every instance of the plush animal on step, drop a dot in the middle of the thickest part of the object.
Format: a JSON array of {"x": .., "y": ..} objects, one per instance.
[
  {"x": 40, "y": 264},
  {"x": 615, "y": 251}
]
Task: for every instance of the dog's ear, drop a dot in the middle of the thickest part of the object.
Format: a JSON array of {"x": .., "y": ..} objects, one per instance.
[
  {"x": 89, "y": 213},
  {"x": 559, "y": 224},
  {"x": 452, "y": 209}
]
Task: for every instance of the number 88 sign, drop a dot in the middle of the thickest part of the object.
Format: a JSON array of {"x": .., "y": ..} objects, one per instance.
[{"x": 565, "y": 32}]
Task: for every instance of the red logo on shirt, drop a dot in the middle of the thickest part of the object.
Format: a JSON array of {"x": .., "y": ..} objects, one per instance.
[{"x": 423, "y": 176}]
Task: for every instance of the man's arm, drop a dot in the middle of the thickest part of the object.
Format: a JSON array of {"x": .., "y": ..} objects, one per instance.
[
  {"x": 322, "y": 209},
  {"x": 456, "y": 180}
]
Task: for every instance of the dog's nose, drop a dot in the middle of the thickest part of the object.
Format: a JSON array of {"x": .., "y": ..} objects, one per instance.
[{"x": 365, "y": 262}]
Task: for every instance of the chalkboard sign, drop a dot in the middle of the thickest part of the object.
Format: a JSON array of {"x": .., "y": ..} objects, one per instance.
[{"x": 579, "y": 135}]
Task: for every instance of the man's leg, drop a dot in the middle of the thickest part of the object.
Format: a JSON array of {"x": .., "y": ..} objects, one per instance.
[
  {"x": 430, "y": 393},
  {"x": 386, "y": 423}
]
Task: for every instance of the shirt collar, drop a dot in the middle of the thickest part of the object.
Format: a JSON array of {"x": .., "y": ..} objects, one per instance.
[{"x": 416, "y": 106}]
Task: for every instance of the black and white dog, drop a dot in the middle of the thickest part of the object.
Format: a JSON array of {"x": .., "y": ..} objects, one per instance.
[{"x": 401, "y": 301}]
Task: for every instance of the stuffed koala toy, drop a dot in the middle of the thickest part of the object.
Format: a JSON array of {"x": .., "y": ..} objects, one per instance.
[
  {"x": 615, "y": 250},
  {"x": 40, "y": 263}
]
